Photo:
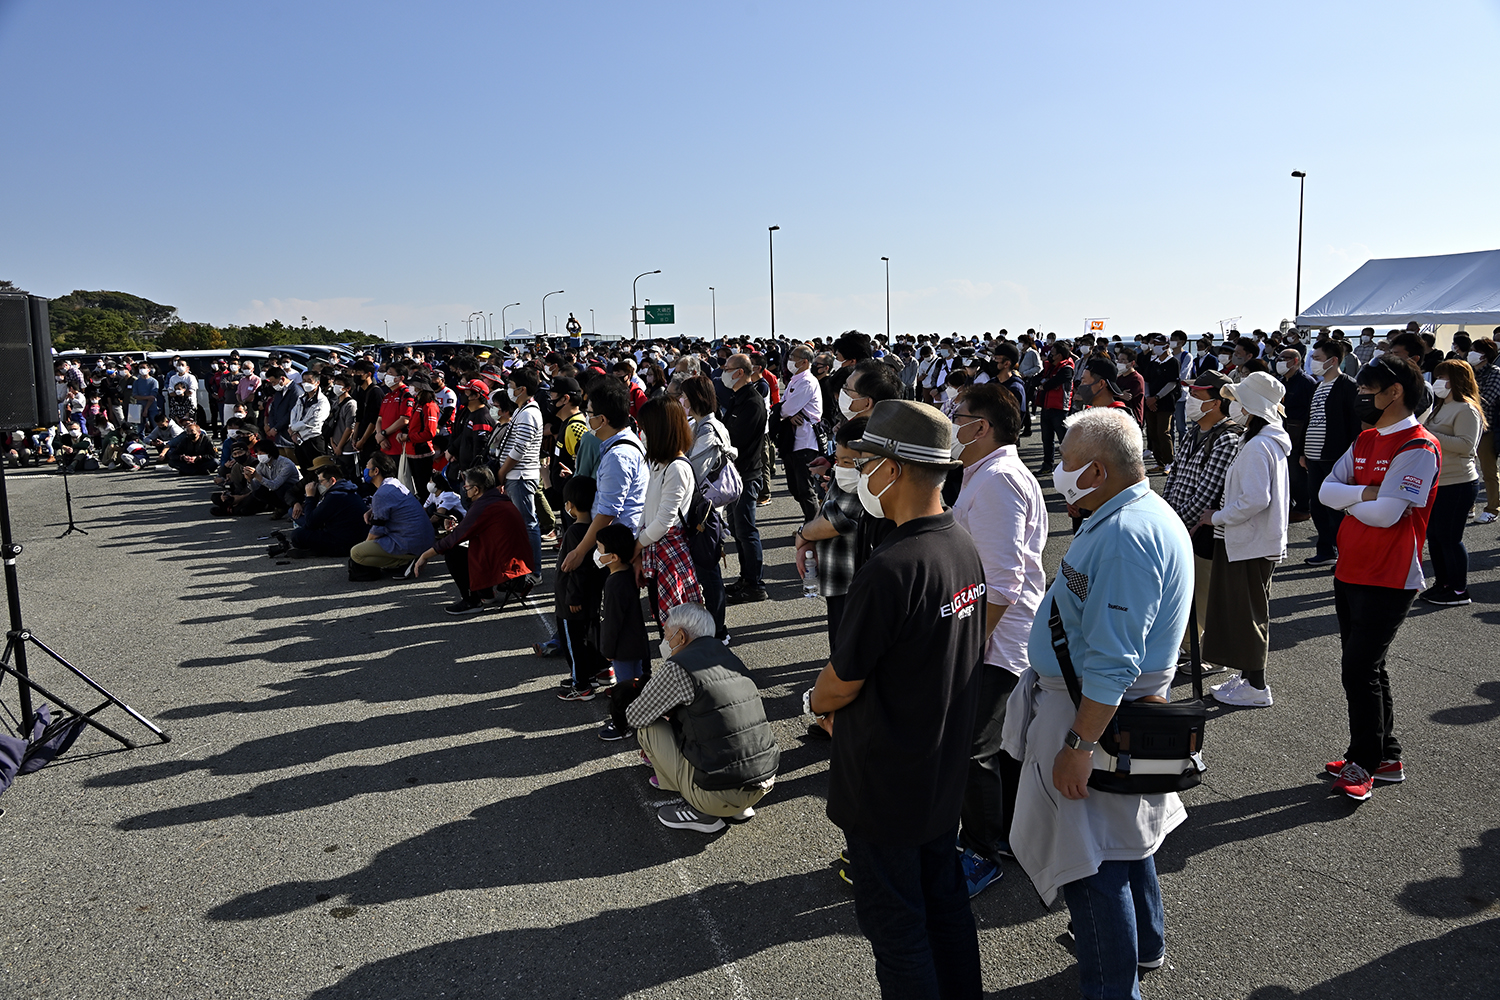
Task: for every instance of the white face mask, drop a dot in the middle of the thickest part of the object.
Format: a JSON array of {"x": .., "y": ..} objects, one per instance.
[
  {"x": 666, "y": 650},
  {"x": 1440, "y": 388},
  {"x": 846, "y": 405},
  {"x": 871, "y": 501},
  {"x": 262, "y": 459},
  {"x": 599, "y": 560},
  {"x": 728, "y": 379},
  {"x": 847, "y": 479},
  {"x": 390, "y": 381},
  {"x": 309, "y": 387},
  {"x": 432, "y": 489},
  {"x": 956, "y": 450},
  {"x": 339, "y": 390},
  {"x": 1475, "y": 359},
  {"x": 1283, "y": 367},
  {"x": 510, "y": 391},
  {"x": 949, "y": 394},
  {"x": 1194, "y": 408},
  {"x": 1066, "y": 483},
  {"x": 1238, "y": 413}
]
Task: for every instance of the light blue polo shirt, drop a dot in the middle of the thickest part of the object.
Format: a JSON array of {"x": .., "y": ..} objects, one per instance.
[{"x": 1124, "y": 590}]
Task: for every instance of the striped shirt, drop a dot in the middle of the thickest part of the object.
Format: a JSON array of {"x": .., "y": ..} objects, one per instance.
[
  {"x": 522, "y": 441},
  {"x": 1317, "y": 422}
]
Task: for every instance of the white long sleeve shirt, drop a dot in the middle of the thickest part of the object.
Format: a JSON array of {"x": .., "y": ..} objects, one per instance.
[
  {"x": 667, "y": 490},
  {"x": 804, "y": 396}
]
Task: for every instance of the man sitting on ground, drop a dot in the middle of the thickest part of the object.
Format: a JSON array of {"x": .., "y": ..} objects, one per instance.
[
  {"x": 488, "y": 547},
  {"x": 399, "y": 528},
  {"x": 192, "y": 453},
  {"x": 700, "y": 722},
  {"x": 272, "y": 486},
  {"x": 331, "y": 520}
]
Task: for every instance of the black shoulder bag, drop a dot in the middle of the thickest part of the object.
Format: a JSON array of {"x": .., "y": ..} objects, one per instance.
[{"x": 1152, "y": 746}]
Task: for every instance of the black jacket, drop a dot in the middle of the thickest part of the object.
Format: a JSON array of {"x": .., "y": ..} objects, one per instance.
[
  {"x": 1341, "y": 421},
  {"x": 1161, "y": 380},
  {"x": 622, "y": 629},
  {"x": 581, "y": 588},
  {"x": 470, "y": 442},
  {"x": 745, "y": 418}
]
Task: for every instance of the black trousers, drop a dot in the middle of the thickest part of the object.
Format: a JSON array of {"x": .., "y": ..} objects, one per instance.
[
  {"x": 309, "y": 450},
  {"x": 801, "y": 483},
  {"x": 324, "y": 543},
  {"x": 1369, "y": 618},
  {"x": 1052, "y": 428},
  {"x": 994, "y": 775},
  {"x": 1325, "y": 519},
  {"x": 457, "y": 559}
]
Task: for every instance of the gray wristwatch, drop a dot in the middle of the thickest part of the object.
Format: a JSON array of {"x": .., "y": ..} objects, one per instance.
[{"x": 1075, "y": 742}]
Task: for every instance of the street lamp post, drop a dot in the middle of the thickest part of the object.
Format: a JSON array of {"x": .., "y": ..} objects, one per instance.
[
  {"x": 503, "y": 331},
  {"x": 887, "y": 301},
  {"x": 591, "y": 322},
  {"x": 713, "y": 297},
  {"x": 544, "y": 309},
  {"x": 1301, "y": 193},
  {"x": 387, "y": 329},
  {"x": 771, "y": 242},
  {"x": 648, "y": 322},
  {"x": 490, "y": 326},
  {"x": 633, "y": 308}
]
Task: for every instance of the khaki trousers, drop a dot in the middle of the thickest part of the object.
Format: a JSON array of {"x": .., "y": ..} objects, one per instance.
[
  {"x": 675, "y": 774},
  {"x": 369, "y": 553}
]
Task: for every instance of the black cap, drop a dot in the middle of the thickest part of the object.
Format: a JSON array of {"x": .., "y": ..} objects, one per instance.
[
  {"x": 1104, "y": 370},
  {"x": 1214, "y": 381}
]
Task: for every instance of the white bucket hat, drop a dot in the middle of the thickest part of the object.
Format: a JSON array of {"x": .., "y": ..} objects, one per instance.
[{"x": 1260, "y": 394}]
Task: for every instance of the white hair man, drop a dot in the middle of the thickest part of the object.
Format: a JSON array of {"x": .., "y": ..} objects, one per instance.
[
  {"x": 700, "y": 722},
  {"x": 1122, "y": 597}
]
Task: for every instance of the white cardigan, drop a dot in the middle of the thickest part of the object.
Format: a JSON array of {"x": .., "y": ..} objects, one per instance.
[
  {"x": 1257, "y": 498},
  {"x": 667, "y": 491}
]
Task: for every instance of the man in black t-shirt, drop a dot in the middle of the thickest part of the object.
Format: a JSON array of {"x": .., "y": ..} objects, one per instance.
[{"x": 904, "y": 681}]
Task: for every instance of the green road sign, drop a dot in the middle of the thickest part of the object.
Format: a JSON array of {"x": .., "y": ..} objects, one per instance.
[{"x": 659, "y": 315}]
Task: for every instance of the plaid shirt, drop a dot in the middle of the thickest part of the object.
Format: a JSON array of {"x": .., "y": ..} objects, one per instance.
[
  {"x": 1488, "y": 378},
  {"x": 1196, "y": 482},
  {"x": 837, "y": 557},
  {"x": 670, "y": 564},
  {"x": 668, "y": 688}
]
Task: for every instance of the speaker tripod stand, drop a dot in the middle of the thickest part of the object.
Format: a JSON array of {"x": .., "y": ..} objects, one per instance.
[
  {"x": 13, "y": 659},
  {"x": 68, "y": 499}
]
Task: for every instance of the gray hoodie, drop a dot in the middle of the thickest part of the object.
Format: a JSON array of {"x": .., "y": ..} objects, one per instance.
[{"x": 1256, "y": 498}]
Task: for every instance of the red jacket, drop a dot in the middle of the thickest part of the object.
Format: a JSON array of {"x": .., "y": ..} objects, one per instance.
[
  {"x": 637, "y": 398},
  {"x": 1060, "y": 377},
  {"x": 499, "y": 550},
  {"x": 396, "y": 404},
  {"x": 421, "y": 428}
]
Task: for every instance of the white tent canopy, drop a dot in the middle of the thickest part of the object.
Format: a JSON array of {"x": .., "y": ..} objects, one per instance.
[{"x": 1443, "y": 290}]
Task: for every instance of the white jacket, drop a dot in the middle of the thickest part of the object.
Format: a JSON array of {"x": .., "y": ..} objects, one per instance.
[
  {"x": 307, "y": 416},
  {"x": 1257, "y": 498}
]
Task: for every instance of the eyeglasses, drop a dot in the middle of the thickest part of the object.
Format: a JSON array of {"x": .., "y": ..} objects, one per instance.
[{"x": 860, "y": 463}]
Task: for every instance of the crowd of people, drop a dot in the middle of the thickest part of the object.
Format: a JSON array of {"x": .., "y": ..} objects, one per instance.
[{"x": 948, "y": 699}]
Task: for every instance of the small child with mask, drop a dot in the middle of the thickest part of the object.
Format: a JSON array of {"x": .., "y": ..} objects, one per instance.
[
  {"x": 577, "y": 601},
  {"x": 622, "y": 627}
]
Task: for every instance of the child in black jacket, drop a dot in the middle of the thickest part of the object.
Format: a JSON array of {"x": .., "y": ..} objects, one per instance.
[
  {"x": 622, "y": 627},
  {"x": 578, "y": 595}
]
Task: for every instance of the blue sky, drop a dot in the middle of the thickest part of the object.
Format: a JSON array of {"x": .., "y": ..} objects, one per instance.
[{"x": 1021, "y": 164}]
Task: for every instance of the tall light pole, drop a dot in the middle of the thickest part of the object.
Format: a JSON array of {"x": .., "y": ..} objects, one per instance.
[
  {"x": 713, "y": 298},
  {"x": 591, "y": 322},
  {"x": 1301, "y": 193},
  {"x": 887, "y": 300},
  {"x": 504, "y": 330},
  {"x": 544, "y": 309},
  {"x": 387, "y": 329},
  {"x": 633, "y": 309},
  {"x": 771, "y": 241},
  {"x": 490, "y": 326}
]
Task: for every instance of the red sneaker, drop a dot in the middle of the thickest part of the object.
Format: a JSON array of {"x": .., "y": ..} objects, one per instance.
[
  {"x": 1389, "y": 770},
  {"x": 1355, "y": 782}
]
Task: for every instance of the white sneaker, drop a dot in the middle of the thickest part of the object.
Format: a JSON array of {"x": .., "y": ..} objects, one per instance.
[
  {"x": 1245, "y": 696},
  {"x": 1485, "y": 518},
  {"x": 1227, "y": 687}
]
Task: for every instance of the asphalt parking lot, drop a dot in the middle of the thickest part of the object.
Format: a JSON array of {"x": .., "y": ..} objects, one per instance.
[{"x": 366, "y": 798}]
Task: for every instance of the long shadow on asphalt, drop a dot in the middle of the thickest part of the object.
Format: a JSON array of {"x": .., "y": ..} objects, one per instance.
[
  {"x": 577, "y": 829},
  {"x": 1213, "y": 824},
  {"x": 621, "y": 951}
]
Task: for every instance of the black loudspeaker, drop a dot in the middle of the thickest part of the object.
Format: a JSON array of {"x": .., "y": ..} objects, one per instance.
[{"x": 28, "y": 394}]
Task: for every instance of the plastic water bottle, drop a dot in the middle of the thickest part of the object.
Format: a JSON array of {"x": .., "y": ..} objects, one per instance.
[{"x": 810, "y": 576}]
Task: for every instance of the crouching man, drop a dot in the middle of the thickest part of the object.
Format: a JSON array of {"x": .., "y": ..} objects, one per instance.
[
  {"x": 331, "y": 519},
  {"x": 701, "y": 723}
]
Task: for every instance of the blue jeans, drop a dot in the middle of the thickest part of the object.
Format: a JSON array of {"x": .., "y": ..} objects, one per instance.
[
  {"x": 1117, "y": 923},
  {"x": 522, "y": 493},
  {"x": 913, "y": 905},
  {"x": 747, "y": 538},
  {"x": 1445, "y": 535}
]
